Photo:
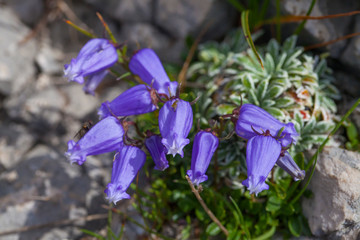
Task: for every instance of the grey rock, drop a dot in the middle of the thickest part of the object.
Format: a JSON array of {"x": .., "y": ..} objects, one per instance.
[
  {"x": 29, "y": 11},
  {"x": 17, "y": 68},
  {"x": 78, "y": 103},
  {"x": 125, "y": 10},
  {"x": 49, "y": 60},
  {"x": 37, "y": 107},
  {"x": 48, "y": 189},
  {"x": 351, "y": 55},
  {"x": 146, "y": 35},
  {"x": 180, "y": 18},
  {"x": 319, "y": 31},
  {"x": 347, "y": 84},
  {"x": 15, "y": 141},
  {"x": 335, "y": 206}
]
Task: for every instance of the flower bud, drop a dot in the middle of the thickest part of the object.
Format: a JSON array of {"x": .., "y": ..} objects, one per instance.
[
  {"x": 253, "y": 117},
  {"x": 175, "y": 122},
  {"x": 105, "y": 136},
  {"x": 288, "y": 164},
  {"x": 127, "y": 163},
  {"x": 134, "y": 101},
  {"x": 157, "y": 151},
  {"x": 146, "y": 64},
  {"x": 262, "y": 153},
  {"x": 205, "y": 144}
]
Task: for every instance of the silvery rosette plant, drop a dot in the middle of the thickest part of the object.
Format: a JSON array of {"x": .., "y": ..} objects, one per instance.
[
  {"x": 227, "y": 133},
  {"x": 293, "y": 87}
]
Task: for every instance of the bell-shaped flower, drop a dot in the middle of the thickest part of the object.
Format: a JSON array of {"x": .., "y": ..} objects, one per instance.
[
  {"x": 175, "y": 122},
  {"x": 105, "y": 136},
  {"x": 127, "y": 163},
  {"x": 251, "y": 117},
  {"x": 93, "y": 82},
  {"x": 147, "y": 65},
  {"x": 96, "y": 56},
  {"x": 262, "y": 153},
  {"x": 134, "y": 101},
  {"x": 157, "y": 151},
  {"x": 205, "y": 144},
  {"x": 287, "y": 163}
]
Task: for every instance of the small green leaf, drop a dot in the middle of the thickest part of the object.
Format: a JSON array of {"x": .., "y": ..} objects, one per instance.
[
  {"x": 309, "y": 126},
  {"x": 284, "y": 102},
  {"x": 276, "y": 112},
  {"x": 352, "y": 132},
  {"x": 274, "y": 92},
  {"x": 262, "y": 88},
  {"x": 273, "y": 204},
  {"x": 213, "y": 229},
  {"x": 295, "y": 226}
]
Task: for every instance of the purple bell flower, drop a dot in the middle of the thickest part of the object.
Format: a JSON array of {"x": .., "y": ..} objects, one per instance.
[
  {"x": 262, "y": 153},
  {"x": 105, "y": 136},
  {"x": 127, "y": 163},
  {"x": 157, "y": 151},
  {"x": 147, "y": 65},
  {"x": 136, "y": 100},
  {"x": 287, "y": 163},
  {"x": 175, "y": 122},
  {"x": 251, "y": 116},
  {"x": 205, "y": 144},
  {"x": 93, "y": 82},
  {"x": 94, "y": 58}
]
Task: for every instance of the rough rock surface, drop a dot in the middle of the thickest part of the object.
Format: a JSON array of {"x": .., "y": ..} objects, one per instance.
[
  {"x": 351, "y": 55},
  {"x": 318, "y": 31},
  {"x": 15, "y": 56},
  {"x": 334, "y": 209}
]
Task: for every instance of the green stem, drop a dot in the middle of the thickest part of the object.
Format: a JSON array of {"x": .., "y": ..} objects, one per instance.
[{"x": 302, "y": 24}]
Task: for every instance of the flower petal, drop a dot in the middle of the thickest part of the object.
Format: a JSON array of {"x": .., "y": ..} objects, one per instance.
[
  {"x": 147, "y": 65},
  {"x": 105, "y": 136},
  {"x": 205, "y": 144},
  {"x": 127, "y": 163},
  {"x": 134, "y": 101},
  {"x": 261, "y": 155}
]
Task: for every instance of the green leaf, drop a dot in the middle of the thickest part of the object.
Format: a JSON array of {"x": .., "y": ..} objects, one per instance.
[
  {"x": 246, "y": 30},
  {"x": 284, "y": 102},
  {"x": 308, "y": 128},
  {"x": 88, "y": 232},
  {"x": 274, "y": 92},
  {"x": 273, "y": 204},
  {"x": 295, "y": 225},
  {"x": 213, "y": 229},
  {"x": 352, "y": 132},
  {"x": 186, "y": 204},
  {"x": 262, "y": 88},
  {"x": 276, "y": 112}
]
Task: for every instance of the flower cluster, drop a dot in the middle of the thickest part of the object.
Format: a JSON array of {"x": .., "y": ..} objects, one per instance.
[
  {"x": 268, "y": 142},
  {"x": 110, "y": 133},
  {"x": 268, "y": 138}
]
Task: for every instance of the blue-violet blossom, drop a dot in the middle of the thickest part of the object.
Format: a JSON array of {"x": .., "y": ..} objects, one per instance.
[
  {"x": 205, "y": 144},
  {"x": 287, "y": 163},
  {"x": 147, "y": 65},
  {"x": 262, "y": 153},
  {"x": 253, "y": 117},
  {"x": 157, "y": 151},
  {"x": 136, "y": 100},
  {"x": 105, "y": 136},
  {"x": 175, "y": 122},
  {"x": 92, "y": 61},
  {"x": 127, "y": 163}
]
